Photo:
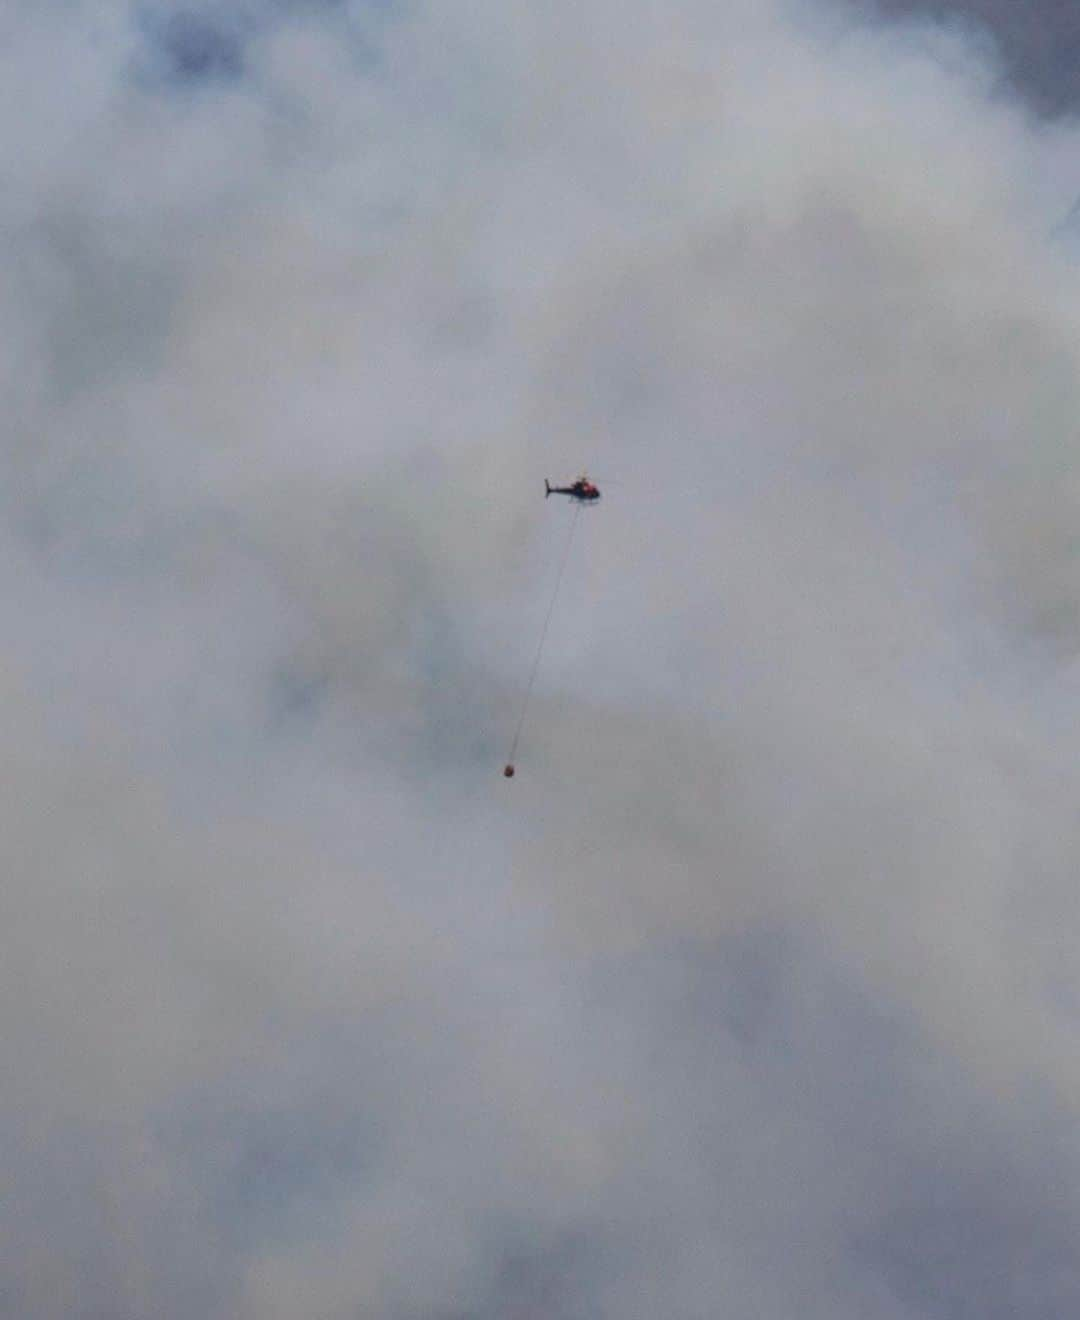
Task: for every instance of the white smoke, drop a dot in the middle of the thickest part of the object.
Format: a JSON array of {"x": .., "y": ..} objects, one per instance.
[{"x": 755, "y": 990}]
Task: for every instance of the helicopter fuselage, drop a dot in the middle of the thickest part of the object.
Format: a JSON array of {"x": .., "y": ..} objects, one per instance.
[{"x": 583, "y": 491}]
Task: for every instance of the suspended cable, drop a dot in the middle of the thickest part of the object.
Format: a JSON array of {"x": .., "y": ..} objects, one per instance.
[{"x": 509, "y": 770}]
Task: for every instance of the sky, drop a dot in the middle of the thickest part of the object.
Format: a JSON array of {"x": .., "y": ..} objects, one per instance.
[
  {"x": 1036, "y": 44},
  {"x": 755, "y": 993}
]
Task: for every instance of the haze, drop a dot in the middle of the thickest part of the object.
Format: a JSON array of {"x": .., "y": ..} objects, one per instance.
[{"x": 755, "y": 993}]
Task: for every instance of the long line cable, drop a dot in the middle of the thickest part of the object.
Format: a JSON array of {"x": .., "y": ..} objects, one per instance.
[{"x": 543, "y": 638}]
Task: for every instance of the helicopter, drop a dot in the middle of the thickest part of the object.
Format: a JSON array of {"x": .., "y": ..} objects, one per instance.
[{"x": 582, "y": 490}]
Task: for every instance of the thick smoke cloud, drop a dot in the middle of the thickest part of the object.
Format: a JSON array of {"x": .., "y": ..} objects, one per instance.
[{"x": 755, "y": 992}]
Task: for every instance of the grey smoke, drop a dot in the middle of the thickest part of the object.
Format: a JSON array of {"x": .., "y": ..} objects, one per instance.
[
  {"x": 755, "y": 992},
  {"x": 1037, "y": 45}
]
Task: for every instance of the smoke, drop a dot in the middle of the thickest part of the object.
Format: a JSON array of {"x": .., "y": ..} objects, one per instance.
[
  {"x": 1036, "y": 47},
  {"x": 755, "y": 991}
]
